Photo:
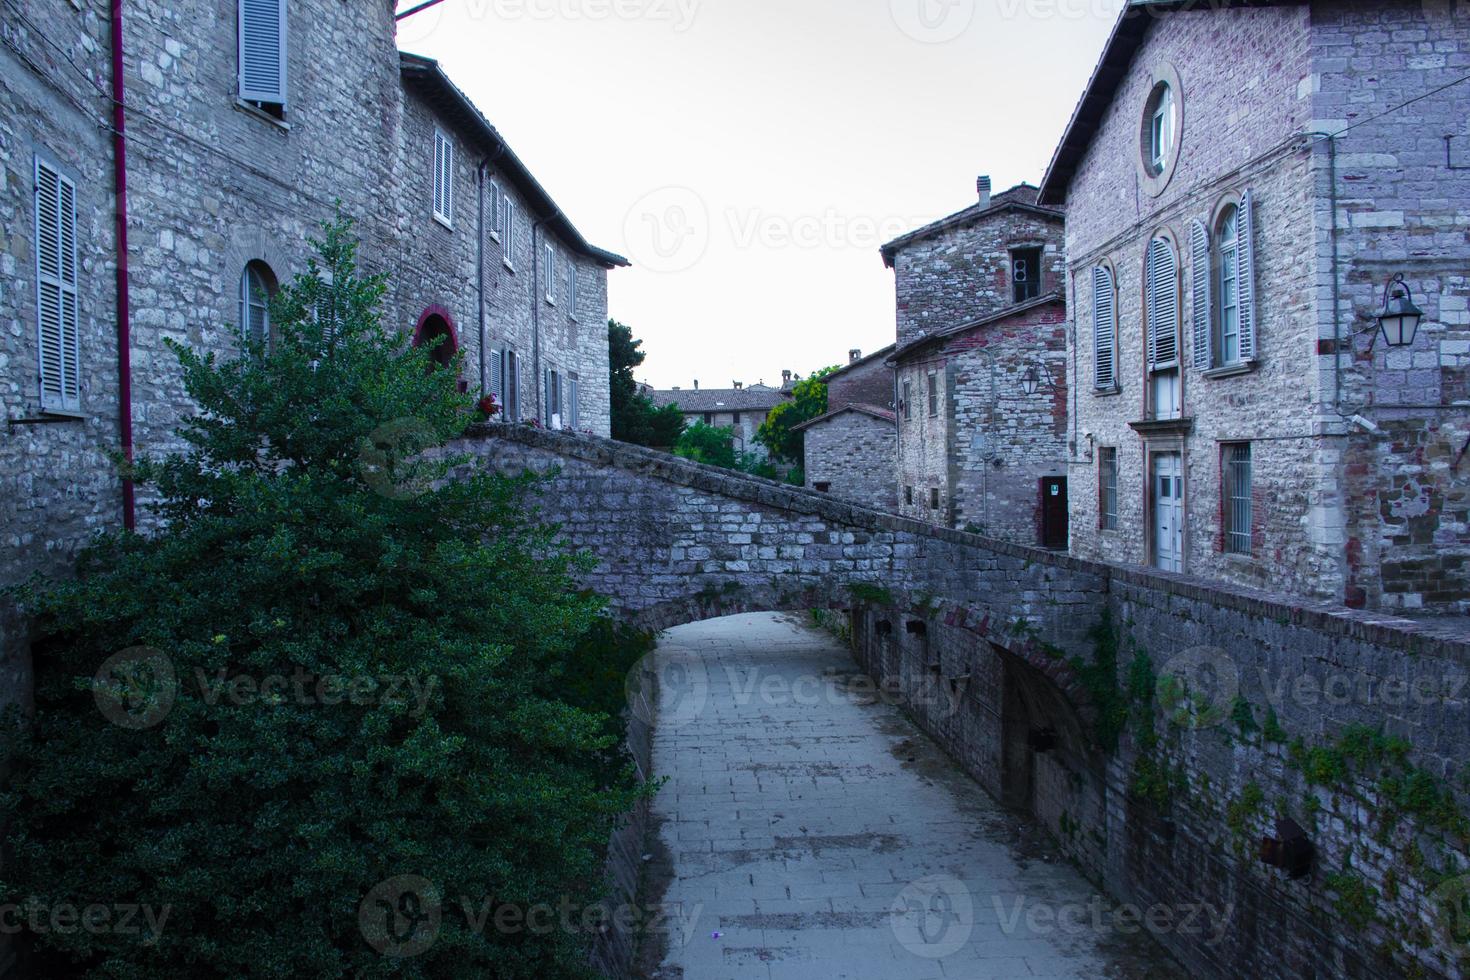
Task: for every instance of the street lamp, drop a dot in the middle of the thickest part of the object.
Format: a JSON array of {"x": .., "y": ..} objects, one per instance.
[
  {"x": 1400, "y": 318},
  {"x": 1032, "y": 381}
]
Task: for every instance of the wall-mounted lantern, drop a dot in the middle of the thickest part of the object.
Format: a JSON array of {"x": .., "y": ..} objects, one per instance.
[
  {"x": 1036, "y": 379},
  {"x": 1400, "y": 319}
]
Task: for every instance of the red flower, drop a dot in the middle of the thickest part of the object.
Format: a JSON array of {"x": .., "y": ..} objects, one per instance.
[{"x": 489, "y": 407}]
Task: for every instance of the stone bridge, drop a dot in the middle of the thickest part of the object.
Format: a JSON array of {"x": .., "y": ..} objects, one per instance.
[{"x": 995, "y": 649}]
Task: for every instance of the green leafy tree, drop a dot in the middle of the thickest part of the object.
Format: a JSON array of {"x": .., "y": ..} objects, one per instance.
[
  {"x": 778, "y": 432},
  {"x": 315, "y": 725},
  {"x": 635, "y": 418},
  {"x": 708, "y": 444}
]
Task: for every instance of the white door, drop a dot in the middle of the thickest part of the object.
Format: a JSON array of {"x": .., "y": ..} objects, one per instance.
[{"x": 1168, "y": 512}]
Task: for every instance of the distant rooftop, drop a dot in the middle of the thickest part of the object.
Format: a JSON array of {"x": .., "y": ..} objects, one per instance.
[
  {"x": 750, "y": 399},
  {"x": 1021, "y": 197}
]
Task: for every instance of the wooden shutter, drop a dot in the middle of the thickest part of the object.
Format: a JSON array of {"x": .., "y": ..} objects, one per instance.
[
  {"x": 572, "y": 288},
  {"x": 443, "y": 177},
  {"x": 1104, "y": 331},
  {"x": 574, "y": 408},
  {"x": 508, "y": 233},
  {"x": 1202, "y": 313},
  {"x": 56, "y": 290},
  {"x": 263, "y": 51},
  {"x": 513, "y": 397},
  {"x": 1246, "y": 277},
  {"x": 551, "y": 273},
  {"x": 496, "y": 365},
  {"x": 1163, "y": 304},
  {"x": 492, "y": 220}
]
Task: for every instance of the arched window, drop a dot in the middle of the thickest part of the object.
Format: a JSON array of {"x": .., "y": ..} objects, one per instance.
[
  {"x": 1227, "y": 240},
  {"x": 257, "y": 286},
  {"x": 434, "y": 323},
  {"x": 1162, "y": 121}
]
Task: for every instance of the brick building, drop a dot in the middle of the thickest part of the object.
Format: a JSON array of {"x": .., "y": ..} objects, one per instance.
[
  {"x": 1234, "y": 211},
  {"x": 740, "y": 407},
  {"x": 980, "y": 369},
  {"x": 237, "y": 146},
  {"x": 849, "y": 451}
]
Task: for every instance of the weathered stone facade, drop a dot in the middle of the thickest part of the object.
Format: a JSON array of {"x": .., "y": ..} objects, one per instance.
[
  {"x": 963, "y": 268},
  {"x": 995, "y": 649},
  {"x": 1334, "y": 511},
  {"x": 849, "y": 454}
]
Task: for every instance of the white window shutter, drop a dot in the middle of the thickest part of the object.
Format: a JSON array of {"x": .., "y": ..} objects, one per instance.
[
  {"x": 574, "y": 408},
  {"x": 1200, "y": 300},
  {"x": 492, "y": 220},
  {"x": 1104, "y": 331},
  {"x": 1163, "y": 304},
  {"x": 551, "y": 273},
  {"x": 1247, "y": 278},
  {"x": 58, "y": 334},
  {"x": 572, "y": 288},
  {"x": 494, "y": 369},
  {"x": 443, "y": 177},
  {"x": 263, "y": 51},
  {"x": 513, "y": 396}
]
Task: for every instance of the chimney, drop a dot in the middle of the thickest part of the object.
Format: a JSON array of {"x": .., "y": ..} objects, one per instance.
[
  {"x": 696, "y": 384},
  {"x": 854, "y": 355},
  {"x": 785, "y": 377},
  {"x": 677, "y": 388},
  {"x": 982, "y": 185},
  {"x": 738, "y": 385}
]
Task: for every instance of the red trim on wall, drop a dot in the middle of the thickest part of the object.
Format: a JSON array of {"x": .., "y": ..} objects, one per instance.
[{"x": 436, "y": 310}]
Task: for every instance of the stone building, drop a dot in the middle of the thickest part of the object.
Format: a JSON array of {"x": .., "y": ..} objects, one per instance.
[
  {"x": 1234, "y": 212},
  {"x": 979, "y": 369},
  {"x": 740, "y": 407},
  {"x": 849, "y": 450},
  {"x": 236, "y": 151}
]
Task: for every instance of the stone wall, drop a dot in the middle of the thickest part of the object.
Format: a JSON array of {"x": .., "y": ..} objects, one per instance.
[
  {"x": 850, "y": 456},
  {"x": 868, "y": 382}
]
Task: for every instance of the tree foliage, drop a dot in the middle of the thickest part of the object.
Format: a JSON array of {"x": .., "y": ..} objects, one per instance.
[
  {"x": 635, "y": 418},
  {"x": 327, "y": 699},
  {"x": 778, "y": 433},
  {"x": 714, "y": 445}
]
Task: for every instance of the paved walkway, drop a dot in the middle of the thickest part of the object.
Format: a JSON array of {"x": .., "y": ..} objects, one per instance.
[{"x": 809, "y": 831}]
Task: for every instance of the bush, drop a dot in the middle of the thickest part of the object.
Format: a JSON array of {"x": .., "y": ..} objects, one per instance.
[{"x": 349, "y": 674}]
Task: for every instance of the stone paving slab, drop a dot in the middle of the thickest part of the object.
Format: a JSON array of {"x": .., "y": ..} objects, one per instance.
[{"x": 808, "y": 834}]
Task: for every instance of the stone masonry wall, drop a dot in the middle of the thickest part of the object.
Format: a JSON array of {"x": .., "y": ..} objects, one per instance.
[
  {"x": 1245, "y": 76},
  {"x": 853, "y": 453},
  {"x": 1403, "y": 203},
  {"x": 963, "y": 273},
  {"x": 866, "y": 383}
]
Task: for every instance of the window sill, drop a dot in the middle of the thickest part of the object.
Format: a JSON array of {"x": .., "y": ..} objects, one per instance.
[
  {"x": 494, "y": 236},
  {"x": 1107, "y": 392},
  {"x": 551, "y": 301},
  {"x": 1235, "y": 558},
  {"x": 440, "y": 219},
  {"x": 508, "y": 267},
  {"x": 49, "y": 416},
  {"x": 256, "y": 112},
  {"x": 1163, "y": 427},
  {"x": 1229, "y": 370}
]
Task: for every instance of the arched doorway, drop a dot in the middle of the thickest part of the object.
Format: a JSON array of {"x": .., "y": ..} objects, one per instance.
[{"x": 435, "y": 323}]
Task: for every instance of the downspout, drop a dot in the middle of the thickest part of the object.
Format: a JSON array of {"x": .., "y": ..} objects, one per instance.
[
  {"x": 124, "y": 326},
  {"x": 480, "y": 261},
  {"x": 1331, "y": 139}
]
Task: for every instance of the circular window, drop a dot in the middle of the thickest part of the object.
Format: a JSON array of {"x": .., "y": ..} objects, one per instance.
[{"x": 1161, "y": 130}]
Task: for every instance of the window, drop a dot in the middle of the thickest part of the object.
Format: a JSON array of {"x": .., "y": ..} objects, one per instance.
[
  {"x": 496, "y": 368},
  {"x": 933, "y": 498},
  {"x": 552, "y": 384},
  {"x": 509, "y": 379},
  {"x": 572, "y": 289},
  {"x": 443, "y": 179},
  {"x": 508, "y": 230},
  {"x": 551, "y": 274},
  {"x": 1223, "y": 289},
  {"x": 1236, "y": 473},
  {"x": 908, "y": 496},
  {"x": 57, "y": 336},
  {"x": 822, "y": 487},
  {"x": 1107, "y": 484},
  {"x": 262, "y": 54},
  {"x": 1104, "y": 331},
  {"x": 257, "y": 285},
  {"x": 1025, "y": 274},
  {"x": 933, "y": 395},
  {"x": 709, "y": 418},
  {"x": 574, "y": 403},
  {"x": 1163, "y": 329},
  {"x": 492, "y": 210},
  {"x": 908, "y": 400},
  {"x": 1162, "y": 120},
  {"x": 736, "y": 416}
]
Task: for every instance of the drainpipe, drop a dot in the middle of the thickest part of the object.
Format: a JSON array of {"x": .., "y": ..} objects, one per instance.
[
  {"x": 480, "y": 260},
  {"x": 124, "y": 326}
]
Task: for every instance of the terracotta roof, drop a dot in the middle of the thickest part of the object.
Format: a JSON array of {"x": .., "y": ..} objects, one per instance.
[
  {"x": 1107, "y": 76},
  {"x": 885, "y": 414},
  {"x": 695, "y": 400},
  {"x": 1022, "y": 197},
  {"x": 1003, "y": 315},
  {"x": 428, "y": 81}
]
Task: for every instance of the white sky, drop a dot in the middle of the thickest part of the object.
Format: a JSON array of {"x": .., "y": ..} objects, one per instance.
[{"x": 750, "y": 156}]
